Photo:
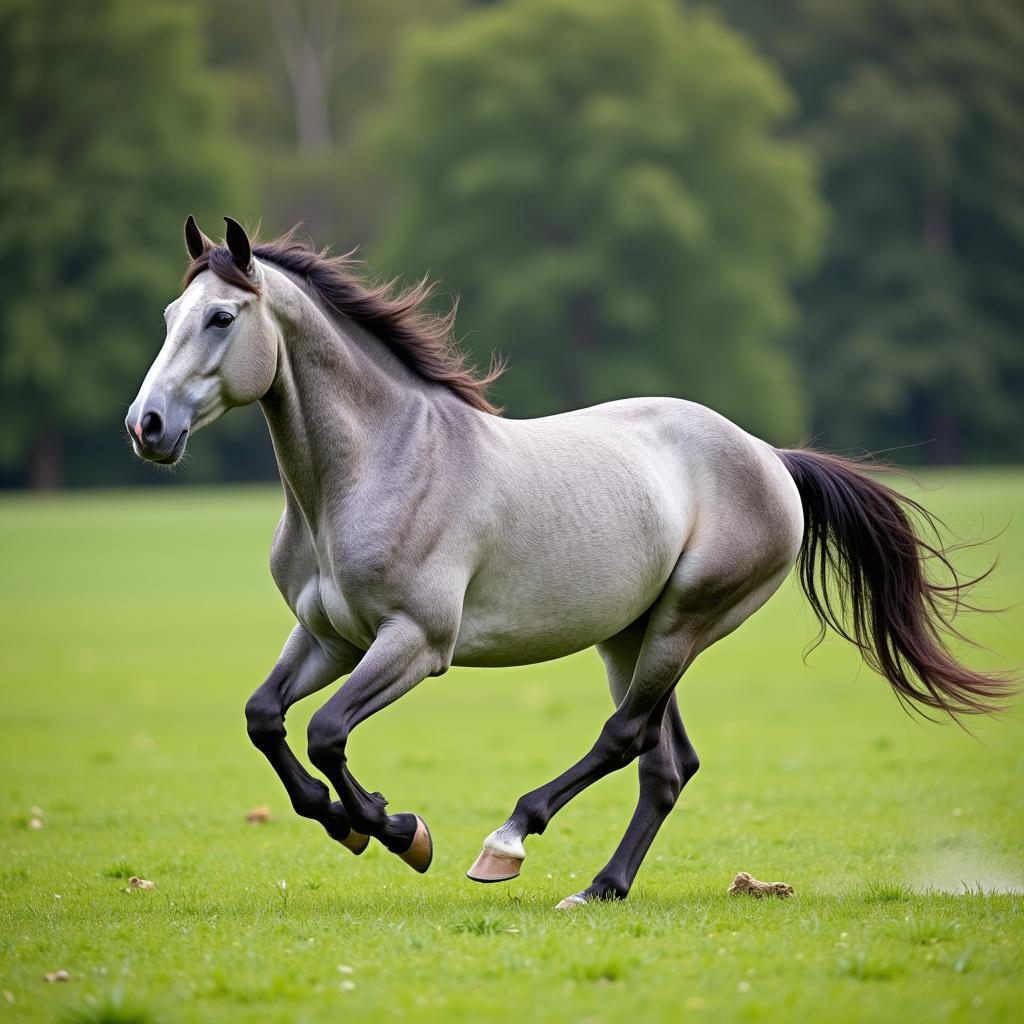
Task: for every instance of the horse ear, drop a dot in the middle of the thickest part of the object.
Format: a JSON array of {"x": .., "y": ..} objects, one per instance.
[
  {"x": 238, "y": 245},
  {"x": 195, "y": 241}
]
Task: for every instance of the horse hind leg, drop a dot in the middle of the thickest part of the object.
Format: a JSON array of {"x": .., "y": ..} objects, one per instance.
[
  {"x": 711, "y": 591},
  {"x": 664, "y": 770},
  {"x": 667, "y": 766},
  {"x": 633, "y": 729}
]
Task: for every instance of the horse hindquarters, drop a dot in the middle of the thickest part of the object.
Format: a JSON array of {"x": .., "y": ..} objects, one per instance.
[{"x": 731, "y": 566}]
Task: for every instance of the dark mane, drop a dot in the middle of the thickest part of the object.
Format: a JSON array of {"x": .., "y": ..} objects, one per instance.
[{"x": 397, "y": 317}]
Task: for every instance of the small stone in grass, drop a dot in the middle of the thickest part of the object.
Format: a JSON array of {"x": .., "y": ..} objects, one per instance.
[
  {"x": 344, "y": 968},
  {"x": 36, "y": 812},
  {"x": 35, "y": 824},
  {"x": 258, "y": 815},
  {"x": 744, "y": 883},
  {"x": 53, "y": 976},
  {"x": 9, "y": 996},
  {"x": 348, "y": 986},
  {"x": 140, "y": 883}
]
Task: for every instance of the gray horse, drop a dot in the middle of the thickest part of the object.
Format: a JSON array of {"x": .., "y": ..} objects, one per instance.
[{"x": 423, "y": 530}]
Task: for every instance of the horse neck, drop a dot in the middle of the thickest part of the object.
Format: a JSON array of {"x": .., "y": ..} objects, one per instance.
[{"x": 338, "y": 398}]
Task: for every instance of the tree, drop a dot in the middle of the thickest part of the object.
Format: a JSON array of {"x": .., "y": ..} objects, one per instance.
[
  {"x": 603, "y": 184},
  {"x": 913, "y": 327},
  {"x": 306, "y": 77},
  {"x": 112, "y": 132}
]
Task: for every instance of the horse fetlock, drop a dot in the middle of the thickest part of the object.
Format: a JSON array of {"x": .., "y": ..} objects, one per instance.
[
  {"x": 607, "y": 887},
  {"x": 530, "y": 818}
]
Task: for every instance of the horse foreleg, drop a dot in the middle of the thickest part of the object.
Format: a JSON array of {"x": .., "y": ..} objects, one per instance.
[
  {"x": 301, "y": 670},
  {"x": 398, "y": 659}
]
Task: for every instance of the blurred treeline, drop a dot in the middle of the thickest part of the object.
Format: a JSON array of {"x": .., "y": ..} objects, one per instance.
[{"x": 808, "y": 214}]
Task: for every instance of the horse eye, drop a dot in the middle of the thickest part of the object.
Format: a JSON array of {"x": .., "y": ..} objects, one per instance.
[{"x": 221, "y": 319}]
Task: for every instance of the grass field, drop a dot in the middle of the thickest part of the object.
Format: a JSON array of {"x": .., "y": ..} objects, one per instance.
[{"x": 134, "y": 627}]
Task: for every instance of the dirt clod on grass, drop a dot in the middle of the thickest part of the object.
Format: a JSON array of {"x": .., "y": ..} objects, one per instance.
[
  {"x": 258, "y": 815},
  {"x": 140, "y": 883},
  {"x": 744, "y": 883},
  {"x": 60, "y": 975}
]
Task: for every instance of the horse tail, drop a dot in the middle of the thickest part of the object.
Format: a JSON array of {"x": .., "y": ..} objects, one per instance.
[{"x": 863, "y": 566}]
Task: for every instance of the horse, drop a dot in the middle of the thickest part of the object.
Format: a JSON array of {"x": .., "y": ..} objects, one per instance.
[{"x": 422, "y": 529}]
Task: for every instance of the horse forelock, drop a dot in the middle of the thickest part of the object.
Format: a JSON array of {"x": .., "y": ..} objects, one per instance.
[{"x": 398, "y": 317}]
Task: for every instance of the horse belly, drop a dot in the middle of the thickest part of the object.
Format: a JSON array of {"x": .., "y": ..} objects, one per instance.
[{"x": 569, "y": 588}]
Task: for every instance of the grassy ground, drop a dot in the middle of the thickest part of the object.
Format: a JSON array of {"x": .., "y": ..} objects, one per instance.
[{"x": 135, "y": 625}]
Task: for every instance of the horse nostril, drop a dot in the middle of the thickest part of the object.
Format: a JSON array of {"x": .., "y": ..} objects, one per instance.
[{"x": 152, "y": 427}]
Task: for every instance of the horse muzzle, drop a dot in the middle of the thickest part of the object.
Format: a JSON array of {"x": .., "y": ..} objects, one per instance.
[{"x": 157, "y": 435}]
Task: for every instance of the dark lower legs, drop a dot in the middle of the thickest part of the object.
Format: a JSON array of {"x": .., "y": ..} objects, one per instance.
[
  {"x": 394, "y": 664},
  {"x": 664, "y": 771},
  {"x": 397, "y": 661},
  {"x": 643, "y": 666},
  {"x": 625, "y": 736},
  {"x": 264, "y": 714}
]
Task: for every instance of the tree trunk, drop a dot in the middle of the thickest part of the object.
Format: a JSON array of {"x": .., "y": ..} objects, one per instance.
[
  {"x": 308, "y": 50},
  {"x": 45, "y": 462}
]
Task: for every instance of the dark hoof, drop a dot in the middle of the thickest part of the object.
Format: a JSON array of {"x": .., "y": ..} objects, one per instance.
[{"x": 421, "y": 851}]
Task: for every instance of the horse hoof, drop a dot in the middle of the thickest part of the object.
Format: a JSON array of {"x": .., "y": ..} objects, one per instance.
[
  {"x": 494, "y": 867},
  {"x": 421, "y": 852},
  {"x": 356, "y": 842},
  {"x": 572, "y": 902}
]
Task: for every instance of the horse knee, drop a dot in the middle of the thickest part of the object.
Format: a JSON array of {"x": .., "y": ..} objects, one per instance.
[
  {"x": 326, "y": 740},
  {"x": 264, "y": 720}
]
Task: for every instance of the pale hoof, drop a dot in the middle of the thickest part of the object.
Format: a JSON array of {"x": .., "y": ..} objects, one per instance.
[
  {"x": 421, "y": 852},
  {"x": 356, "y": 842},
  {"x": 571, "y": 902},
  {"x": 494, "y": 867}
]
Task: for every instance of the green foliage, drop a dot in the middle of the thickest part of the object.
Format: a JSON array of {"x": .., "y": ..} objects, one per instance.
[
  {"x": 913, "y": 327},
  {"x": 112, "y": 132},
  {"x": 305, "y": 77},
  {"x": 623, "y": 193},
  {"x": 603, "y": 184}
]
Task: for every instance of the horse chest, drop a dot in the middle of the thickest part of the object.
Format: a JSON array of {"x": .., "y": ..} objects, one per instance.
[
  {"x": 321, "y": 603},
  {"x": 322, "y": 607}
]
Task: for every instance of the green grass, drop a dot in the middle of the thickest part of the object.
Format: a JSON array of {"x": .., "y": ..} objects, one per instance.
[{"x": 134, "y": 627}]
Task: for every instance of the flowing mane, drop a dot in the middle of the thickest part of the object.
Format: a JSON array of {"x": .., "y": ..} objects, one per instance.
[{"x": 398, "y": 317}]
